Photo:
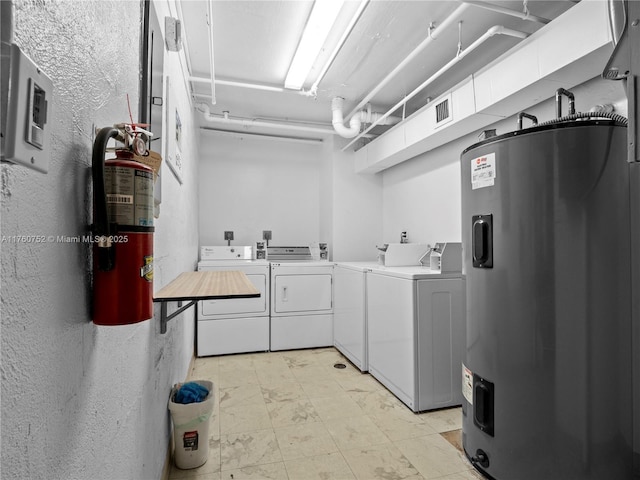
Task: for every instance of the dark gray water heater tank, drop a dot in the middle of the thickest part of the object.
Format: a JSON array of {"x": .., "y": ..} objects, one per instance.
[{"x": 546, "y": 258}]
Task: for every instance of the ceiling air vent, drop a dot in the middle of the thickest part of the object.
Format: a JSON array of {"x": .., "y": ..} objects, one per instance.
[{"x": 443, "y": 111}]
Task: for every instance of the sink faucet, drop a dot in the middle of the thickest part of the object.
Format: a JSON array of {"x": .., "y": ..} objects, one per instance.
[{"x": 403, "y": 237}]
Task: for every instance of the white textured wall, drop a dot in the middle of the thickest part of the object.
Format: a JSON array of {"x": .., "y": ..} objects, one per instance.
[
  {"x": 250, "y": 184},
  {"x": 356, "y": 208},
  {"x": 80, "y": 401}
]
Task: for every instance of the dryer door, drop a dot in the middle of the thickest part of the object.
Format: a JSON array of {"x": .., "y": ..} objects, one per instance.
[{"x": 301, "y": 293}]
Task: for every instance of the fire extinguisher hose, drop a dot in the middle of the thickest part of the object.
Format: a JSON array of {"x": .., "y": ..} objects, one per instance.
[{"x": 106, "y": 251}]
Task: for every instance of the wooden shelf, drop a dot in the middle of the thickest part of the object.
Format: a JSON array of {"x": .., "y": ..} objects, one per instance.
[{"x": 194, "y": 286}]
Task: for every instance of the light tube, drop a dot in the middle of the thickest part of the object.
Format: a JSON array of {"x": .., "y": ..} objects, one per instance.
[{"x": 323, "y": 16}]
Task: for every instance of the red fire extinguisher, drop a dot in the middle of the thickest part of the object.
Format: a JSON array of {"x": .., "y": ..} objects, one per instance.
[{"x": 122, "y": 233}]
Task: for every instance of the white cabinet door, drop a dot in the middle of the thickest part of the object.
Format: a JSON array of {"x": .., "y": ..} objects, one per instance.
[{"x": 301, "y": 293}]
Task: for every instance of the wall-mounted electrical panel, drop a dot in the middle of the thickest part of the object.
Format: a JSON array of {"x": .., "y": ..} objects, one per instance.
[{"x": 28, "y": 129}]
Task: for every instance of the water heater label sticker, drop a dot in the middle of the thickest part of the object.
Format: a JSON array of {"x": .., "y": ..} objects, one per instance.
[
  {"x": 467, "y": 384},
  {"x": 483, "y": 171}
]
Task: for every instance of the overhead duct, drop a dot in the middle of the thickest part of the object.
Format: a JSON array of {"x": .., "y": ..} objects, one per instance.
[
  {"x": 248, "y": 123},
  {"x": 416, "y": 51},
  {"x": 495, "y": 30},
  {"x": 363, "y": 116}
]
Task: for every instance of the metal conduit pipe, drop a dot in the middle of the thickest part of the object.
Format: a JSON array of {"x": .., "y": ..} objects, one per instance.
[
  {"x": 432, "y": 36},
  {"x": 247, "y": 123},
  {"x": 495, "y": 30},
  {"x": 233, "y": 83},
  {"x": 211, "y": 55},
  {"x": 507, "y": 11}
]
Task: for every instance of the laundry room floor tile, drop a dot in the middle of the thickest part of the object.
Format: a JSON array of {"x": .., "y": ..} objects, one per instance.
[
  {"x": 292, "y": 413},
  {"x": 432, "y": 455},
  {"x": 306, "y": 440},
  {"x": 320, "y": 467},
  {"x": 249, "y": 449},
  {"x": 281, "y": 392},
  {"x": 244, "y": 418},
  {"x": 443, "y": 420},
  {"x": 292, "y": 416},
  {"x": 380, "y": 462}
]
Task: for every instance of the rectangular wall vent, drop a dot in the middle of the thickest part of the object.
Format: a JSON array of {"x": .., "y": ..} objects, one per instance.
[{"x": 443, "y": 111}]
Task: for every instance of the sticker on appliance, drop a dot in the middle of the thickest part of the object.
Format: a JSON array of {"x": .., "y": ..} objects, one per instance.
[
  {"x": 483, "y": 171},
  {"x": 467, "y": 384}
]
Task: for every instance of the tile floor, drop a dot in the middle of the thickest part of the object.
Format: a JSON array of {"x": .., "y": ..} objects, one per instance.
[{"x": 292, "y": 415}]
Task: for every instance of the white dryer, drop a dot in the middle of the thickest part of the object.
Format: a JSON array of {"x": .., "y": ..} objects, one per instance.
[
  {"x": 233, "y": 325},
  {"x": 301, "y": 299}
]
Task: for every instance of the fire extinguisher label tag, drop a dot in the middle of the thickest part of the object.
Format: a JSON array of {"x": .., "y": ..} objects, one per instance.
[
  {"x": 146, "y": 271},
  {"x": 190, "y": 440},
  {"x": 129, "y": 194}
]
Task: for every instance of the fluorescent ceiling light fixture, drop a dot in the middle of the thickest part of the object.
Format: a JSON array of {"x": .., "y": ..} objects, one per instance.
[{"x": 323, "y": 16}]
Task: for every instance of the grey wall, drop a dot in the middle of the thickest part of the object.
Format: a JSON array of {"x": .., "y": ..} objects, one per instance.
[{"x": 81, "y": 401}]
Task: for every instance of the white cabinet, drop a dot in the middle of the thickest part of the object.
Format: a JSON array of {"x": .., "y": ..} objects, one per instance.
[{"x": 416, "y": 335}]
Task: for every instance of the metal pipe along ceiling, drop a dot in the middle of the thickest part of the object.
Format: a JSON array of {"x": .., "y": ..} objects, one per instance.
[
  {"x": 211, "y": 65},
  {"x": 507, "y": 11},
  {"x": 433, "y": 35},
  {"x": 495, "y": 30},
  {"x": 247, "y": 123}
]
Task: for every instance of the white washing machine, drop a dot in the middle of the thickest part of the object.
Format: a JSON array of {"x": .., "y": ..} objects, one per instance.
[
  {"x": 301, "y": 299},
  {"x": 416, "y": 334},
  {"x": 234, "y": 325}
]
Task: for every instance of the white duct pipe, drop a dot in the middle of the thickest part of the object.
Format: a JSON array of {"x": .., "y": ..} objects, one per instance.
[
  {"x": 507, "y": 11},
  {"x": 232, "y": 83},
  {"x": 363, "y": 116},
  {"x": 495, "y": 30},
  {"x": 247, "y": 123},
  {"x": 432, "y": 36},
  {"x": 338, "y": 122}
]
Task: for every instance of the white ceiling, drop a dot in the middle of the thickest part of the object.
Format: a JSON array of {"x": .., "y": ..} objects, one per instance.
[{"x": 255, "y": 40}]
